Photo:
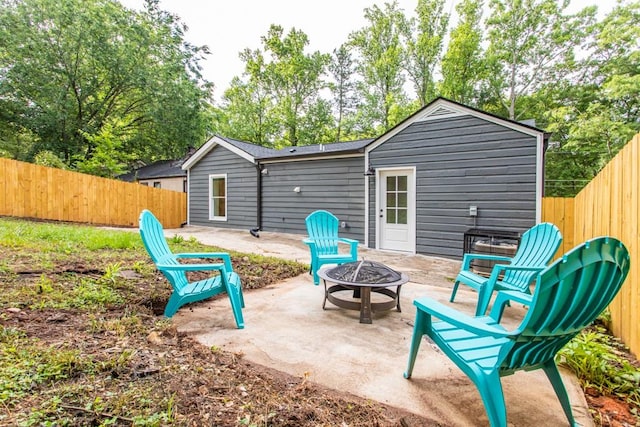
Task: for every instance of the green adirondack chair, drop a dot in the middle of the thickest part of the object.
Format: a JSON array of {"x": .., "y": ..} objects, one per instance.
[
  {"x": 323, "y": 240},
  {"x": 568, "y": 296},
  {"x": 184, "y": 292},
  {"x": 536, "y": 248}
]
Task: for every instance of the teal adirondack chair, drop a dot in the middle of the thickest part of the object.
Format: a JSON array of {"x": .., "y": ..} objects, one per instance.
[
  {"x": 323, "y": 240},
  {"x": 569, "y": 295},
  {"x": 185, "y": 292},
  {"x": 536, "y": 248}
]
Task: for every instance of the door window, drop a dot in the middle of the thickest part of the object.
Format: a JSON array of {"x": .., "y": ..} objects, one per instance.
[{"x": 397, "y": 201}]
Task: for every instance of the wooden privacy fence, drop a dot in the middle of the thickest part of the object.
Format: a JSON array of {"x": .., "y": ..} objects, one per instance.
[
  {"x": 609, "y": 205},
  {"x": 32, "y": 191}
]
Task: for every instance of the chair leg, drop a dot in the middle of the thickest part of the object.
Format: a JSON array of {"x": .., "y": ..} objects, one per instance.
[
  {"x": 236, "y": 300},
  {"x": 316, "y": 278},
  {"x": 174, "y": 303},
  {"x": 553, "y": 374},
  {"x": 455, "y": 289},
  {"x": 492, "y": 396},
  {"x": 484, "y": 296},
  {"x": 422, "y": 322}
]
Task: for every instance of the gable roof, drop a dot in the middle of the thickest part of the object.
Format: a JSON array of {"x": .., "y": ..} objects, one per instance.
[
  {"x": 159, "y": 169},
  {"x": 255, "y": 153},
  {"x": 443, "y": 107}
]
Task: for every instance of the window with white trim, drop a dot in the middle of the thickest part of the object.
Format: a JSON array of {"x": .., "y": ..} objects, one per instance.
[{"x": 218, "y": 197}]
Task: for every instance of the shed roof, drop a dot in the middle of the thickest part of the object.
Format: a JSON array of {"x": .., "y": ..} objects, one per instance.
[
  {"x": 255, "y": 153},
  {"x": 159, "y": 169}
]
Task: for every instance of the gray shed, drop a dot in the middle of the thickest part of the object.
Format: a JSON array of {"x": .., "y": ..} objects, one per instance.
[{"x": 417, "y": 188}]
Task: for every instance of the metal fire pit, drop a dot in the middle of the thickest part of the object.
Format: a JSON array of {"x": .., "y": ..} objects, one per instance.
[{"x": 363, "y": 278}]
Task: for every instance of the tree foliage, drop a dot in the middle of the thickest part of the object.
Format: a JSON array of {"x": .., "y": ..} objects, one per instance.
[
  {"x": 424, "y": 41},
  {"x": 70, "y": 68},
  {"x": 380, "y": 65},
  {"x": 283, "y": 83},
  {"x": 463, "y": 66},
  {"x": 343, "y": 87},
  {"x": 530, "y": 43}
]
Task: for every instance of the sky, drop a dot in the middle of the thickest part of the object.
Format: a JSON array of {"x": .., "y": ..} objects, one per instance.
[{"x": 228, "y": 27}]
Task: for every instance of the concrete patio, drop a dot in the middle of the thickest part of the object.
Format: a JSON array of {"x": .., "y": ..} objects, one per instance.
[{"x": 287, "y": 329}]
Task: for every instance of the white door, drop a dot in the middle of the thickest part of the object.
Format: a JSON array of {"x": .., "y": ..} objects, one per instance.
[{"x": 396, "y": 210}]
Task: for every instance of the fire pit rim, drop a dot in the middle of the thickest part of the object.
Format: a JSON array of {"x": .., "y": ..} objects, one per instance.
[{"x": 323, "y": 273}]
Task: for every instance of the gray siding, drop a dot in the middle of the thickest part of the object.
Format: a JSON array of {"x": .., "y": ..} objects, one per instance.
[
  {"x": 460, "y": 162},
  {"x": 241, "y": 190},
  {"x": 336, "y": 185}
]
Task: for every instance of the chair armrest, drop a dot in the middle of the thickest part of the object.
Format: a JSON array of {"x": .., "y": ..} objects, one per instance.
[
  {"x": 222, "y": 255},
  {"x": 311, "y": 243},
  {"x": 354, "y": 246},
  {"x": 349, "y": 241},
  {"x": 459, "y": 319},
  {"x": 192, "y": 267},
  {"x": 499, "y": 268},
  {"x": 467, "y": 258},
  {"x": 503, "y": 297}
]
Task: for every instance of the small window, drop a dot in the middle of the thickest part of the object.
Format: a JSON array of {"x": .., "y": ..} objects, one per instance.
[
  {"x": 184, "y": 186},
  {"x": 218, "y": 197},
  {"x": 146, "y": 184},
  {"x": 157, "y": 184}
]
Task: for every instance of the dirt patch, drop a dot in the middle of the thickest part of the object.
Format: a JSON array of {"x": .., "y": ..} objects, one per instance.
[
  {"x": 140, "y": 366},
  {"x": 130, "y": 366}
]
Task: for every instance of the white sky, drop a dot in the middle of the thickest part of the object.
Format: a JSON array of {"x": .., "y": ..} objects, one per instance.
[{"x": 227, "y": 27}]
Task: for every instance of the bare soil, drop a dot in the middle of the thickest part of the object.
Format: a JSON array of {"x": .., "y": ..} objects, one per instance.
[
  {"x": 166, "y": 369},
  {"x": 205, "y": 386}
]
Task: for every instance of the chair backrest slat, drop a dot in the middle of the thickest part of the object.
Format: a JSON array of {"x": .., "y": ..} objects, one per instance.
[
  {"x": 322, "y": 227},
  {"x": 154, "y": 241},
  {"x": 569, "y": 295},
  {"x": 537, "y": 246}
]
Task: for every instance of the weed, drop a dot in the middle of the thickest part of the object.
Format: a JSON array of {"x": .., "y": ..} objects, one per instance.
[
  {"x": 143, "y": 268},
  {"x": 111, "y": 272},
  {"x": 596, "y": 358},
  {"x": 176, "y": 239},
  {"x": 92, "y": 294}
]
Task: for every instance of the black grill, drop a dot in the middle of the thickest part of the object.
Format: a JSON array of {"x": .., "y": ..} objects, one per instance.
[{"x": 369, "y": 272}]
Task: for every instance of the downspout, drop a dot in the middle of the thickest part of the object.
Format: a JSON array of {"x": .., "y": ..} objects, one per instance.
[{"x": 254, "y": 231}]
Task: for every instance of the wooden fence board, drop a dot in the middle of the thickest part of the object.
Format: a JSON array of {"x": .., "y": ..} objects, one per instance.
[
  {"x": 609, "y": 205},
  {"x": 33, "y": 191}
]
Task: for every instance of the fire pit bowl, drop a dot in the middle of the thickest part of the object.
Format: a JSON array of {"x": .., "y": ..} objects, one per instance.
[{"x": 363, "y": 278}]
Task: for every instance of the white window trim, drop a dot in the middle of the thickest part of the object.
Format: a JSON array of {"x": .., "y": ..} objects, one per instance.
[{"x": 210, "y": 197}]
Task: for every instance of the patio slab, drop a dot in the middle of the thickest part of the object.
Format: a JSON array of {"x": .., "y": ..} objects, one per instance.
[{"x": 287, "y": 329}]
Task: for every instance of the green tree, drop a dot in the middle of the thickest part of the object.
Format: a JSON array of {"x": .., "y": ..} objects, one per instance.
[
  {"x": 380, "y": 55},
  {"x": 463, "y": 67},
  {"x": 530, "y": 43},
  {"x": 108, "y": 159},
  {"x": 70, "y": 67},
  {"x": 247, "y": 112},
  {"x": 424, "y": 39},
  {"x": 342, "y": 69},
  {"x": 595, "y": 113},
  {"x": 294, "y": 80}
]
